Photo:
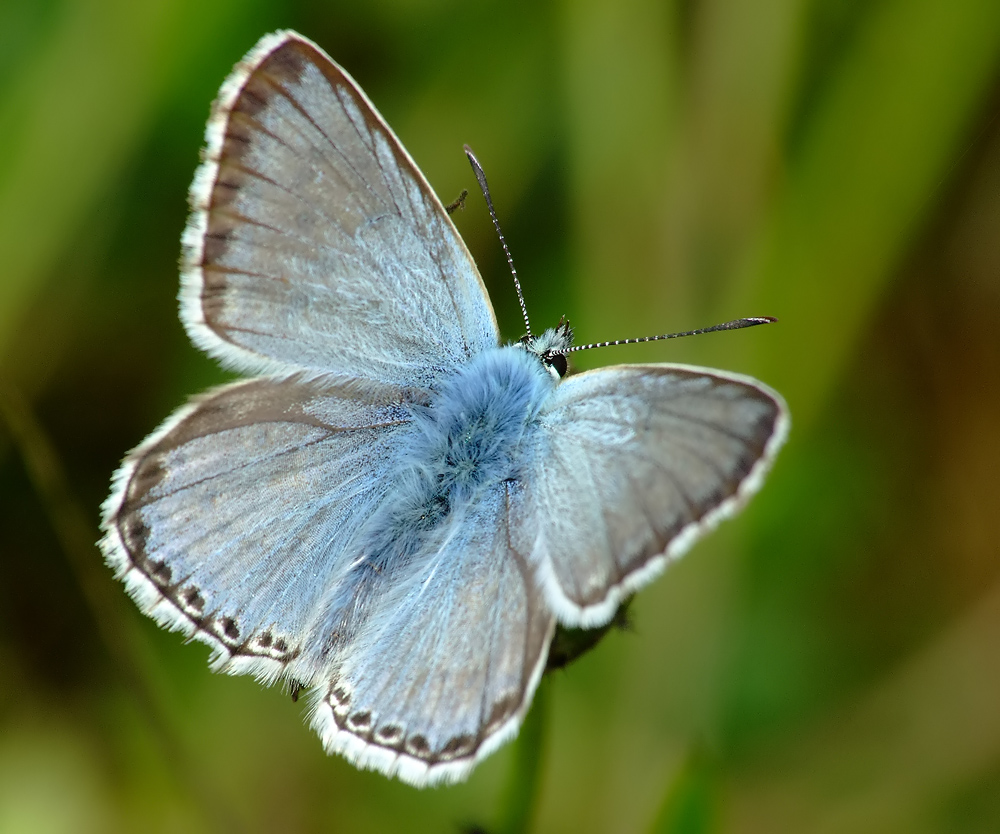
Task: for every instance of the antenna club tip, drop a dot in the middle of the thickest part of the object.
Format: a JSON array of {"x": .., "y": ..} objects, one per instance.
[{"x": 749, "y": 321}]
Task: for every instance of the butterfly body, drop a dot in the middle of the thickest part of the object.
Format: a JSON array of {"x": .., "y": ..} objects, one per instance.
[
  {"x": 395, "y": 510},
  {"x": 472, "y": 440}
]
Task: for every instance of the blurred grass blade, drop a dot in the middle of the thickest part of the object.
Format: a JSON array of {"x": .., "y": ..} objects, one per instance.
[
  {"x": 520, "y": 794},
  {"x": 881, "y": 764},
  {"x": 689, "y": 805},
  {"x": 622, "y": 121},
  {"x": 71, "y": 116},
  {"x": 76, "y": 536},
  {"x": 896, "y": 113}
]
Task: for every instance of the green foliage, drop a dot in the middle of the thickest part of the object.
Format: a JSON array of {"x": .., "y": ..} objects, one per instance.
[
  {"x": 830, "y": 656},
  {"x": 690, "y": 804}
]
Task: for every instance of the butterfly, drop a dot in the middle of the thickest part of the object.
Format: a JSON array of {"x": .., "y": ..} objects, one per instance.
[{"x": 395, "y": 509}]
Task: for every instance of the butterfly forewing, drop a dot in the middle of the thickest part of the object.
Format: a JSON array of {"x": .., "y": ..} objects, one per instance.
[
  {"x": 315, "y": 244},
  {"x": 634, "y": 463}
]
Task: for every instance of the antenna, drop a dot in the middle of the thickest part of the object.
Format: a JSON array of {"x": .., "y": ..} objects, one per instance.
[
  {"x": 481, "y": 176},
  {"x": 735, "y": 324}
]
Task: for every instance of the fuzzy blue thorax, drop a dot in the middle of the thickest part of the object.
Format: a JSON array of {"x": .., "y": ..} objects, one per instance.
[{"x": 468, "y": 438}]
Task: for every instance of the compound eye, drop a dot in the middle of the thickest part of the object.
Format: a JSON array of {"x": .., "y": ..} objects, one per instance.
[{"x": 557, "y": 361}]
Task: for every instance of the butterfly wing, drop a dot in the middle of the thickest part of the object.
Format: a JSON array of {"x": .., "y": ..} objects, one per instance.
[
  {"x": 315, "y": 244},
  {"x": 637, "y": 463},
  {"x": 230, "y": 521},
  {"x": 444, "y": 666}
]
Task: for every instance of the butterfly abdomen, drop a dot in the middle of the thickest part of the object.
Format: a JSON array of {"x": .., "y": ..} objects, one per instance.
[{"x": 471, "y": 435}]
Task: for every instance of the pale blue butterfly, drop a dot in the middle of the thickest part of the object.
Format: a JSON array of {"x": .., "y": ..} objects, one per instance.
[{"x": 397, "y": 510}]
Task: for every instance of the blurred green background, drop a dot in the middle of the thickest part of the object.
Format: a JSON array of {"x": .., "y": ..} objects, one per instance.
[{"x": 829, "y": 662}]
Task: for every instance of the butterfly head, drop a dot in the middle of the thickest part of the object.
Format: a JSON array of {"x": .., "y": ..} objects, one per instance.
[{"x": 551, "y": 347}]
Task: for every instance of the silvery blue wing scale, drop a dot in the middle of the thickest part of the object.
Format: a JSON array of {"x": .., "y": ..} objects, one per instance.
[{"x": 395, "y": 510}]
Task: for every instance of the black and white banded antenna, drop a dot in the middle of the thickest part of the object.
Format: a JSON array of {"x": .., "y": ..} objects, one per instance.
[
  {"x": 735, "y": 324},
  {"x": 481, "y": 176}
]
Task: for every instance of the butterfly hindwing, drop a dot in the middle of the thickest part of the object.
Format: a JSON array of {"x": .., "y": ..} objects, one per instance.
[
  {"x": 315, "y": 244},
  {"x": 634, "y": 464},
  {"x": 230, "y": 522},
  {"x": 444, "y": 661}
]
